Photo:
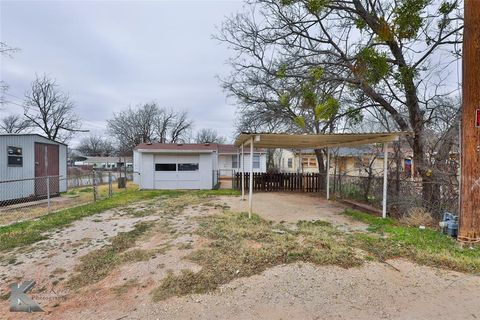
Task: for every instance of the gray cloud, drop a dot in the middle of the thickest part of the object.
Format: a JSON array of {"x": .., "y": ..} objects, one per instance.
[{"x": 110, "y": 55}]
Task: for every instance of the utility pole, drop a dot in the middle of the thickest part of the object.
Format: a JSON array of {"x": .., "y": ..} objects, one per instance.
[{"x": 470, "y": 140}]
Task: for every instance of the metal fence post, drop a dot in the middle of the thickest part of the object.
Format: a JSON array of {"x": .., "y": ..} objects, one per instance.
[
  {"x": 109, "y": 184},
  {"x": 48, "y": 192},
  {"x": 94, "y": 187}
]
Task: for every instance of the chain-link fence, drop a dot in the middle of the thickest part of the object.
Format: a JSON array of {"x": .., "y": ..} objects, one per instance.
[
  {"x": 403, "y": 194},
  {"x": 30, "y": 198}
]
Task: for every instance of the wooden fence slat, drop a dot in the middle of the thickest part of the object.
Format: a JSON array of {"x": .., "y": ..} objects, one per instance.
[{"x": 272, "y": 182}]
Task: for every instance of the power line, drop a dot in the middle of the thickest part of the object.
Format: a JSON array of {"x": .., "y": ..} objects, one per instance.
[
  {"x": 14, "y": 103},
  {"x": 12, "y": 95}
]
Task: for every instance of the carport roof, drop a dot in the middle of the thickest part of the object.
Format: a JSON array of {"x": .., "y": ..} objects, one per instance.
[{"x": 285, "y": 140}]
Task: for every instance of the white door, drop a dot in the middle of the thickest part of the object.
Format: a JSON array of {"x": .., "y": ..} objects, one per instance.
[{"x": 177, "y": 172}]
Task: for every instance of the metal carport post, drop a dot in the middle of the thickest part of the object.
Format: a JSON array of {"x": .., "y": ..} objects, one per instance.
[{"x": 385, "y": 180}]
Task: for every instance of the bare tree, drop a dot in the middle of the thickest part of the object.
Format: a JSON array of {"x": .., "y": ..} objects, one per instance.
[
  {"x": 50, "y": 110},
  {"x": 148, "y": 123},
  {"x": 208, "y": 136},
  {"x": 96, "y": 146},
  {"x": 14, "y": 124},
  {"x": 5, "y": 51},
  {"x": 390, "y": 55}
]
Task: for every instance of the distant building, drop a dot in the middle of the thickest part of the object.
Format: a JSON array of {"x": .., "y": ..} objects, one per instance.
[
  {"x": 346, "y": 161},
  {"x": 107, "y": 163}
]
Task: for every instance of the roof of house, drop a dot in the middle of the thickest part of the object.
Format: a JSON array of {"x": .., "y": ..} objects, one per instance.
[
  {"x": 178, "y": 146},
  {"x": 185, "y": 147}
]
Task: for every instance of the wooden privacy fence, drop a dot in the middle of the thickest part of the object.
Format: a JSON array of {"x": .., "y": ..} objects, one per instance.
[{"x": 301, "y": 182}]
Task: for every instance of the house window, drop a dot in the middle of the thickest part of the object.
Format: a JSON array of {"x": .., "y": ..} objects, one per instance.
[
  {"x": 188, "y": 167},
  {"x": 234, "y": 162},
  {"x": 290, "y": 162},
  {"x": 165, "y": 167},
  {"x": 256, "y": 161}
]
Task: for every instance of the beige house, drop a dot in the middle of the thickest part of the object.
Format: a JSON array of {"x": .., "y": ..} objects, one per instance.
[{"x": 346, "y": 161}]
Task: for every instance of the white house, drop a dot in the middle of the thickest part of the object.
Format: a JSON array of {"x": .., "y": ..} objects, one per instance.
[
  {"x": 229, "y": 160},
  {"x": 187, "y": 166},
  {"x": 26, "y": 160}
]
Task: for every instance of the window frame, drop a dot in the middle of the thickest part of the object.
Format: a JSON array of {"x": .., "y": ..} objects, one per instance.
[
  {"x": 256, "y": 163},
  {"x": 235, "y": 162}
]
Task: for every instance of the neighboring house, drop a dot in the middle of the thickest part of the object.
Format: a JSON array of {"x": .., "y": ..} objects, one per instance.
[
  {"x": 347, "y": 161},
  {"x": 105, "y": 162},
  {"x": 185, "y": 166},
  {"x": 229, "y": 160},
  {"x": 26, "y": 160}
]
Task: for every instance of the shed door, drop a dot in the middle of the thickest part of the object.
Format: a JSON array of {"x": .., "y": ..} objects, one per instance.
[{"x": 46, "y": 164}]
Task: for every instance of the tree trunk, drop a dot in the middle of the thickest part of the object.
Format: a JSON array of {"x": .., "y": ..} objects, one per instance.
[
  {"x": 430, "y": 184},
  {"x": 322, "y": 168}
]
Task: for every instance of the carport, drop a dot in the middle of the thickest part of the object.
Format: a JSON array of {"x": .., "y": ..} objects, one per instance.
[{"x": 303, "y": 141}]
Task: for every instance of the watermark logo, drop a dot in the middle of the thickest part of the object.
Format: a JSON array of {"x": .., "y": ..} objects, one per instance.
[{"x": 19, "y": 301}]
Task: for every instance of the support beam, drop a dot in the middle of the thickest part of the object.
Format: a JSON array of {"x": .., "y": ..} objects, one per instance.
[
  {"x": 243, "y": 175},
  {"x": 469, "y": 224},
  {"x": 250, "y": 188},
  {"x": 328, "y": 173},
  {"x": 385, "y": 180}
]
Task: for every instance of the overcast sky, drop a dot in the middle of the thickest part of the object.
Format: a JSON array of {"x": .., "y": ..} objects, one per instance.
[{"x": 112, "y": 54}]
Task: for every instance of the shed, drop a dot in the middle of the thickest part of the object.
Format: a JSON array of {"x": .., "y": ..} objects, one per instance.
[
  {"x": 31, "y": 166},
  {"x": 175, "y": 166}
]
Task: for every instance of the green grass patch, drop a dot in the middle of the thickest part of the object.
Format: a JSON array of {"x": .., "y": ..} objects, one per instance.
[
  {"x": 28, "y": 232},
  {"x": 389, "y": 239},
  {"x": 98, "y": 264},
  {"x": 242, "y": 247}
]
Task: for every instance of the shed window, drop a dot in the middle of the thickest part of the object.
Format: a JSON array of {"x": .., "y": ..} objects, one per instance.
[
  {"x": 188, "y": 167},
  {"x": 165, "y": 167},
  {"x": 256, "y": 161}
]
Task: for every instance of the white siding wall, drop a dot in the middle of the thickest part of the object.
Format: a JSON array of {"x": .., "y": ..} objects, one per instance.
[
  {"x": 136, "y": 167},
  {"x": 206, "y": 163},
  {"x": 62, "y": 158},
  {"x": 147, "y": 171},
  {"x": 225, "y": 164},
  {"x": 148, "y": 178}
]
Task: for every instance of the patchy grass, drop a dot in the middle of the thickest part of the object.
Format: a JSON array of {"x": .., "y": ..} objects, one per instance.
[
  {"x": 28, "y": 232},
  {"x": 98, "y": 264},
  {"x": 243, "y": 247},
  {"x": 389, "y": 239},
  {"x": 124, "y": 288}
]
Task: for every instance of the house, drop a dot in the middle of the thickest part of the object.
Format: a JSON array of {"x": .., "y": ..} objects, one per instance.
[
  {"x": 346, "y": 161},
  {"x": 229, "y": 160},
  {"x": 26, "y": 160},
  {"x": 187, "y": 166}
]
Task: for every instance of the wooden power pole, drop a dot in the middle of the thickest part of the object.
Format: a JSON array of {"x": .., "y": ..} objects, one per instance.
[{"x": 470, "y": 177}]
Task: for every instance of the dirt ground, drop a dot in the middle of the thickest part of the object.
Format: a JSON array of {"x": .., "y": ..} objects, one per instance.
[
  {"x": 292, "y": 207},
  {"x": 395, "y": 290}
]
